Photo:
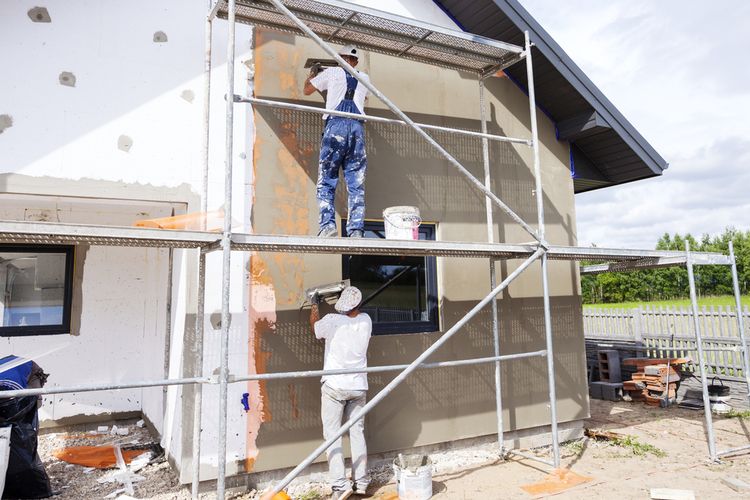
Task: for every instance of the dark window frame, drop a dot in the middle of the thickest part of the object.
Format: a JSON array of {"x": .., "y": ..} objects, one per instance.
[
  {"x": 58, "y": 329},
  {"x": 427, "y": 231}
]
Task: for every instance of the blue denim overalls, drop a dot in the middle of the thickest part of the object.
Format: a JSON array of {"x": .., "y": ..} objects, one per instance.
[{"x": 343, "y": 146}]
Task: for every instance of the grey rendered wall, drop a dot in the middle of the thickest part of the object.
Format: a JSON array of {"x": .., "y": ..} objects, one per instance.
[{"x": 433, "y": 406}]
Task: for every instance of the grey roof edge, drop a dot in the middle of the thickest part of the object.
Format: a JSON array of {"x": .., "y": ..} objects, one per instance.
[
  {"x": 583, "y": 84},
  {"x": 614, "y": 183}
]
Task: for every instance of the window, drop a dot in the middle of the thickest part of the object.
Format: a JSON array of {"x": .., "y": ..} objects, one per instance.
[
  {"x": 402, "y": 290},
  {"x": 35, "y": 289}
]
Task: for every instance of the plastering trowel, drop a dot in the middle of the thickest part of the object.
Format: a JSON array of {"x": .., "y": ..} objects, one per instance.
[
  {"x": 323, "y": 62},
  {"x": 323, "y": 292},
  {"x": 320, "y": 64}
]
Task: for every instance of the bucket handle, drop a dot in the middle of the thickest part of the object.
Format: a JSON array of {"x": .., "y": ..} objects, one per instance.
[
  {"x": 720, "y": 381},
  {"x": 414, "y": 219}
]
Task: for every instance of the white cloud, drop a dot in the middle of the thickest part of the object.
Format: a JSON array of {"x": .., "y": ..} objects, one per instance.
[{"x": 677, "y": 70}]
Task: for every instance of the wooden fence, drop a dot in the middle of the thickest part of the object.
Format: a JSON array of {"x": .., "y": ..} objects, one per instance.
[{"x": 671, "y": 329}]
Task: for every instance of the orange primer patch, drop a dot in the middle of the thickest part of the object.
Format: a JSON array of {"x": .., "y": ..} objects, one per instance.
[
  {"x": 287, "y": 78},
  {"x": 293, "y": 400},
  {"x": 289, "y": 212},
  {"x": 556, "y": 481},
  {"x": 262, "y": 312},
  {"x": 100, "y": 457}
]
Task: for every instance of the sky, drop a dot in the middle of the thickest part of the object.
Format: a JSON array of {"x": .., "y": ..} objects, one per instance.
[{"x": 678, "y": 70}]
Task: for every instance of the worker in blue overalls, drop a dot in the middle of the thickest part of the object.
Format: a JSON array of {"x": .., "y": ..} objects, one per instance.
[{"x": 342, "y": 145}]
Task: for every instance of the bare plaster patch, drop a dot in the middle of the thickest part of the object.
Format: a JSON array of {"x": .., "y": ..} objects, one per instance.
[
  {"x": 41, "y": 215},
  {"x": 6, "y": 121},
  {"x": 68, "y": 79},
  {"x": 188, "y": 95},
  {"x": 124, "y": 143},
  {"x": 39, "y": 15},
  {"x": 160, "y": 37}
]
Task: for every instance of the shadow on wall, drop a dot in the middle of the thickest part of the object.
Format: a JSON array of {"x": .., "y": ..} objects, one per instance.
[
  {"x": 433, "y": 405},
  {"x": 404, "y": 169}
]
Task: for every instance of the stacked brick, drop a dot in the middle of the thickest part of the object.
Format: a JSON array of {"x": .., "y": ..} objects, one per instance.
[{"x": 655, "y": 381}]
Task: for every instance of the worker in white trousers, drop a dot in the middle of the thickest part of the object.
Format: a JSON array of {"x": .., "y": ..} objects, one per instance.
[{"x": 347, "y": 335}]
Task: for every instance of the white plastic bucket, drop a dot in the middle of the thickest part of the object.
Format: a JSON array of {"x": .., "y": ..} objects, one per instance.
[
  {"x": 413, "y": 476},
  {"x": 401, "y": 223}
]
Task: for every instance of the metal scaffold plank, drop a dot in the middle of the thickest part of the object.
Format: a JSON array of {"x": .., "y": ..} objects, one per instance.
[
  {"x": 383, "y": 32},
  {"x": 635, "y": 257},
  {"x": 23, "y": 232},
  {"x": 704, "y": 259},
  {"x": 361, "y": 246},
  {"x": 311, "y": 244},
  {"x": 49, "y": 233}
]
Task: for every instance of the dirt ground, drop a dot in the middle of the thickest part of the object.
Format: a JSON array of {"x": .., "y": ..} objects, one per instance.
[
  {"x": 676, "y": 458},
  {"x": 75, "y": 482},
  {"x": 616, "y": 471}
]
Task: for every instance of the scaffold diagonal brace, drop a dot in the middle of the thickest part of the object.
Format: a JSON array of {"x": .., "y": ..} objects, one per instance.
[{"x": 404, "y": 374}]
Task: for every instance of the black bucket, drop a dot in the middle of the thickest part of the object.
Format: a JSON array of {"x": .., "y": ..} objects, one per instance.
[{"x": 718, "y": 390}]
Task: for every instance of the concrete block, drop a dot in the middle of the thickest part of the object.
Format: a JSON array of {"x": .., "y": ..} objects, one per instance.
[
  {"x": 610, "y": 391},
  {"x": 595, "y": 390},
  {"x": 609, "y": 365}
]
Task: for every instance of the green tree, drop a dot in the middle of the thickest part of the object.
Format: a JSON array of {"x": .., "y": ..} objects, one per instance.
[{"x": 672, "y": 283}]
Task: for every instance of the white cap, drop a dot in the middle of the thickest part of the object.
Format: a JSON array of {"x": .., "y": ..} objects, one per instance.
[
  {"x": 349, "y": 50},
  {"x": 349, "y": 299}
]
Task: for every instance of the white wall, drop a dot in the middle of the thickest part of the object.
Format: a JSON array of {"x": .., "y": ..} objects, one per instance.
[
  {"x": 126, "y": 84},
  {"x": 123, "y": 317}
]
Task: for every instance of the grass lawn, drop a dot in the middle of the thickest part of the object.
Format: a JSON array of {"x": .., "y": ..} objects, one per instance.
[{"x": 724, "y": 300}]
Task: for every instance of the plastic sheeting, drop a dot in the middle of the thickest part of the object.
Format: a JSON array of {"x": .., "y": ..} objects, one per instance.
[{"x": 100, "y": 457}]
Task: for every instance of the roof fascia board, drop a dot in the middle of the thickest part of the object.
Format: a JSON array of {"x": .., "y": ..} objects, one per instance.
[{"x": 565, "y": 65}]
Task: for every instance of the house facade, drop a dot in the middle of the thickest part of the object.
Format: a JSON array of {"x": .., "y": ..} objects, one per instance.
[{"x": 106, "y": 128}]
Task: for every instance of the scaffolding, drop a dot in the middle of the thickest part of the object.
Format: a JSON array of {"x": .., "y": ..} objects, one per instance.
[{"x": 340, "y": 22}]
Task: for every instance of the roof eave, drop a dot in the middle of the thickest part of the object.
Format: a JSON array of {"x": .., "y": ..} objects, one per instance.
[{"x": 588, "y": 90}]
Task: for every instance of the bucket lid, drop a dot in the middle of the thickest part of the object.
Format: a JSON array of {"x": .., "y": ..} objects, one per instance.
[{"x": 404, "y": 209}]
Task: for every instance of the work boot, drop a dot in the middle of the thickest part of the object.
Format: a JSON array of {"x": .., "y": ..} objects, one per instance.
[
  {"x": 357, "y": 233},
  {"x": 361, "y": 491},
  {"x": 341, "y": 494},
  {"x": 328, "y": 232}
]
